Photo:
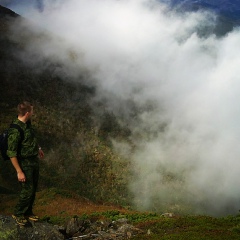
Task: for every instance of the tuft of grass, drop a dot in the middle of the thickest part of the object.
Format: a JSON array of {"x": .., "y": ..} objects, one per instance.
[{"x": 190, "y": 227}]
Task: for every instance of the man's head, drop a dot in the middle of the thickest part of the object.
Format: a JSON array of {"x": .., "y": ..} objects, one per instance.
[{"x": 25, "y": 110}]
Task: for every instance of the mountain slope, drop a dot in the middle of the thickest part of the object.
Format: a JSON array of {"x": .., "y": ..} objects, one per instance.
[
  {"x": 78, "y": 153},
  {"x": 7, "y": 13}
]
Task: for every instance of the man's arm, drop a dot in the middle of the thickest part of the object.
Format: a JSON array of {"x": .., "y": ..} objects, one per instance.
[
  {"x": 13, "y": 142},
  {"x": 20, "y": 174}
]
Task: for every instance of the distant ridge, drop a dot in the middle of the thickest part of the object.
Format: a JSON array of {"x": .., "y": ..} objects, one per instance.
[
  {"x": 227, "y": 8},
  {"x": 227, "y": 12},
  {"x": 5, "y": 12}
]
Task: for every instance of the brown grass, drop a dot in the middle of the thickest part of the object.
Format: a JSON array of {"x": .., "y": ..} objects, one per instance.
[
  {"x": 53, "y": 204},
  {"x": 72, "y": 206}
]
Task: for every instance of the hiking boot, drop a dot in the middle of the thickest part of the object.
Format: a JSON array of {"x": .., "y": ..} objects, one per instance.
[
  {"x": 33, "y": 217},
  {"x": 20, "y": 220}
]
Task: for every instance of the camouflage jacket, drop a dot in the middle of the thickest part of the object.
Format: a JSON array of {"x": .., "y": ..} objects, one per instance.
[{"x": 28, "y": 146}]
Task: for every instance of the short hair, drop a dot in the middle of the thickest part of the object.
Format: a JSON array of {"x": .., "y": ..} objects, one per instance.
[{"x": 24, "y": 107}]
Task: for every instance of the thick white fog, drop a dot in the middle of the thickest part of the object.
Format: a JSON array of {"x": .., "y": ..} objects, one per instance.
[{"x": 187, "y": 142}]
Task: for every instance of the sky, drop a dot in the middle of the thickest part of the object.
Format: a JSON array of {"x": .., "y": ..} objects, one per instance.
[
  {"x": 225, "y": 6},
  {"x": 187, "y": 86},
  {"x": 22, "y": 6}
]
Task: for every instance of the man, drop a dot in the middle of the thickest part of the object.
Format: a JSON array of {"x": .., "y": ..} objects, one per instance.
[{"x": 24, "y": 153}]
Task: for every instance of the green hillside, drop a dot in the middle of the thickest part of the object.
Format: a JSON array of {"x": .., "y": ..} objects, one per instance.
[{"x": 79, "y": 155}]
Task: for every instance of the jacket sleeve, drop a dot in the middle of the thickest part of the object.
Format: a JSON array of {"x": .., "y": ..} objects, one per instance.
[{"x": 14, "y": 139}]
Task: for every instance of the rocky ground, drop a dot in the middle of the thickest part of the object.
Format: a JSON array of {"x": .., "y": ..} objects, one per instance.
[{"x": 73, "y": 229}]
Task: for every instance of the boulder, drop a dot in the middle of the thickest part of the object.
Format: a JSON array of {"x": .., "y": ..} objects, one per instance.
[
  {"x": 9, "y": 230},
  {"x": 74, "y": 228}
]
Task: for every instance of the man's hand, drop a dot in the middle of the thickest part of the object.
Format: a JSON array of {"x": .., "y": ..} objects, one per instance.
[{"x": 21, "y": 177}]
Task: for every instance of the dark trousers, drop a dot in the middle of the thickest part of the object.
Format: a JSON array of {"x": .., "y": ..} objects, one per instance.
[{"x": 30, "y": 167}]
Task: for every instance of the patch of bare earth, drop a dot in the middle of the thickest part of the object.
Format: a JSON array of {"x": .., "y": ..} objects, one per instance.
[{"x": 57, "y": 205}]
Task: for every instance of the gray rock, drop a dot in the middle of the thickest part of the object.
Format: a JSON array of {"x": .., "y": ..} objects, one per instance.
[
  {"x": 9, "y": 230},
  {"x": 75, "y": 228}
]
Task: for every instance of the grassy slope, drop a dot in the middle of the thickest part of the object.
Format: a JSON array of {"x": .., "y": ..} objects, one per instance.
[{"x": 79, "y": 156}]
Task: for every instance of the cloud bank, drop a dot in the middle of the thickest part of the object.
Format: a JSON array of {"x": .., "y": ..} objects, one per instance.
[{"x": 187, "y": 134}]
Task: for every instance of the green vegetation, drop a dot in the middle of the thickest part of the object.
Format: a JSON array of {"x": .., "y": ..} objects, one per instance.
[
  {"x": 8, "y": 234},
  {"x": 156, "y": 226},
  {"x": 192, "y": 227},
  {"x": 78, "y": 150},
  {"x": 76, "y": 141}
]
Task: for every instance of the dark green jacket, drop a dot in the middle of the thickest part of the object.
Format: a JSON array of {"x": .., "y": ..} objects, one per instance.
[{"x": 29, "y": 145}]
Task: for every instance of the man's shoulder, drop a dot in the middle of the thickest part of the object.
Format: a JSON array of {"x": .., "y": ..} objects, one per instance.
[
  {"x": 16, "y": 127},
  {"x": 16, "y": 123}
]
